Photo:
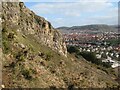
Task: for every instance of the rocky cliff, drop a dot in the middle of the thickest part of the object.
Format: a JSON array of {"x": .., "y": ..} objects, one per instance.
[
  {"x": 35, "y": 55},
  {"x": 16, "y": 16}
]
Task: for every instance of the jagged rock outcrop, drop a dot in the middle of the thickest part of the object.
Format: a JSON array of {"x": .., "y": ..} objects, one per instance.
[{"x": 16, "y": 16}]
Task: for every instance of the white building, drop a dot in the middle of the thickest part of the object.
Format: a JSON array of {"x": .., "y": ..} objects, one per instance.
[
  {"x": 98, "y": 56},
  {"x": 116, "y": 64}
]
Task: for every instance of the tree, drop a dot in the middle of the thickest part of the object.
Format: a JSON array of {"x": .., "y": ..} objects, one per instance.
[
  {"x": 90, "y": 56},
  {"x": 72, "y": 49}
]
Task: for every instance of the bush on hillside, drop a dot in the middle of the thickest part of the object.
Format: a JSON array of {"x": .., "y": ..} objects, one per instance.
[
  {"x": 20, "y": 56},
  {"x": 72, "y": 49},
  {"x": 6, "y": 46},
  {"x": 11, "y": 36},
  {"x": 90, "y": 56},
  {"x": 27, "y": 74}
]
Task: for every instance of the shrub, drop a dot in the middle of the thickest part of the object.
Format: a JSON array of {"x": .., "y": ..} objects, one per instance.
[
  {"x": 53, "y": 88},
  {"x": 6, "y": 46},
  {"x": 72, "y": 49},
  {"x": 70, "y": 87},
  {"x": 33, "y": 71},
  {"x": 90, "y": 56},
  {"x": 48, "y": 56},
  {"x": 11, "y": 36},
  {"x": 106, "y": 64},
  {"x": 4, "y": 30},
  {"x": 27, "y": 74},
  {"x": 42, "y": 63},
  {"x": 12, "y": 65},
  {"x": 20, "y": 56}
]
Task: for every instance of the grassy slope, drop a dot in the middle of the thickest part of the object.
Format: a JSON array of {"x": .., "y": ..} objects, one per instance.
[{"x": 51, "y": 69}]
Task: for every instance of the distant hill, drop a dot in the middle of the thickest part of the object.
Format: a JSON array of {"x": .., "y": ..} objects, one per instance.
[{"x": 97, "y": 27}]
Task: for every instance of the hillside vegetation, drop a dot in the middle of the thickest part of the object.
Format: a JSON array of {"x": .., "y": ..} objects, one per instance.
[{"x": 35, "y": 55}]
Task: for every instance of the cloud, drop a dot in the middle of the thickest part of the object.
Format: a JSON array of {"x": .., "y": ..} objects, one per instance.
[
  {"x": 57, "y": 8},
  {"x": 77, "y": 13},
  {"x": 69, "y": 8},
  {"x": 102, "y": 20}
]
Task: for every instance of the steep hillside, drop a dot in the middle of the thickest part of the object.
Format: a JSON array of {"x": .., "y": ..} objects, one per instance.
[
  {"x": 35, "y": 55},
  {"x": 22, "y": 20}
]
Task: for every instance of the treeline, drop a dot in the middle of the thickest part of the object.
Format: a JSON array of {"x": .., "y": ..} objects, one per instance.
[{"x": 89, "y": 56}]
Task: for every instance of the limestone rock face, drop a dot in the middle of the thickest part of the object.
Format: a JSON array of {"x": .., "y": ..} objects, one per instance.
[{"x": 17, "y": 16}]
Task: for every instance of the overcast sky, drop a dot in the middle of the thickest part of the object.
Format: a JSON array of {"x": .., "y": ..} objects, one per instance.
[{"x": 76, "y": 12}]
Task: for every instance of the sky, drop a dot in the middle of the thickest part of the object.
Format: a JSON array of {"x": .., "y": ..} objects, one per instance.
[{"x": 76, "y": 12}]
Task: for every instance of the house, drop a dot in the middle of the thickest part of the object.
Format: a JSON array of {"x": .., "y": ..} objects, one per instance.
[
  {"x": 116, "y": 64},
  {"x": 98, "y": 56}
]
